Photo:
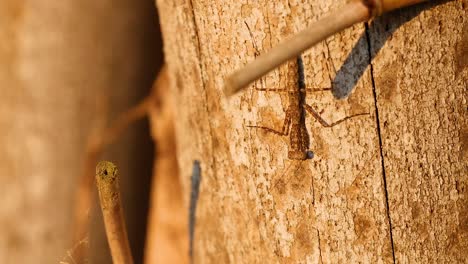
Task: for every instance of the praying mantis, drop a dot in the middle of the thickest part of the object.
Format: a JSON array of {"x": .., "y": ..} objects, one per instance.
[{"x": 294, "y": 122}]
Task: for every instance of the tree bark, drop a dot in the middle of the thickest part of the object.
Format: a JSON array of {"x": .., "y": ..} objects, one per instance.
[
  {"x": 386, "y": 187},
  {"x": 421, "y": 82}
]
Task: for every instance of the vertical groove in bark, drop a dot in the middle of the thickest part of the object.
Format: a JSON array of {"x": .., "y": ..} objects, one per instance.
[
  {"x": 421, "y": 96},
  {"x": 379, "y": 131}
]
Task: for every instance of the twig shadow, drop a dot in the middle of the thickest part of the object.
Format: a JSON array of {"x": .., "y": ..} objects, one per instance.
[{"x": 383, "y": 27}]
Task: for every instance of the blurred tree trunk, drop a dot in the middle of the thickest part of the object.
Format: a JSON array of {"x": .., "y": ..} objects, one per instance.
[
  {"x": 58, "y": 61},
  {"x": 386, "y": 187},
  {"x": 167, "y": 236}
]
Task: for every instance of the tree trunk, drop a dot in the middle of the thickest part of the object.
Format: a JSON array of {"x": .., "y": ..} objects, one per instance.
[{"x": 388, "y": 186}]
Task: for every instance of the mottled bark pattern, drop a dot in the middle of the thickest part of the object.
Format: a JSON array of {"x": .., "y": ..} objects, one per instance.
[
  {"x": 255, "y": 203},
  {"x": 421, "y": 80}
]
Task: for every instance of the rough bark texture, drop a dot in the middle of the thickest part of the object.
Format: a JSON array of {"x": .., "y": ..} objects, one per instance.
[
  {"x": 255, "y": 203},
  {"x": 57, "y": 60},
  {"x": 421, "y": 82}
]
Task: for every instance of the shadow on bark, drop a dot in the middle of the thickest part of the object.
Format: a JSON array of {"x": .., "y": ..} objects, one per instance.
[{"x": 355, "y": 64}]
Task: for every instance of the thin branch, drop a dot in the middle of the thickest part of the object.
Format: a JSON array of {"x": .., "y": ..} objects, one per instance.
[
  {"x": 124, "y": 120},
  {"x": 107, "y": 182},
  {"x": 337, "y": 20},
  {"x": 97, "y": 142}
]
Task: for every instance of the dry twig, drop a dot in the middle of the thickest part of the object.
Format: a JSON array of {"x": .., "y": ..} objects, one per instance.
[
  {"x": 107, "y": 182},
  {"x": 97, "y": 142}
]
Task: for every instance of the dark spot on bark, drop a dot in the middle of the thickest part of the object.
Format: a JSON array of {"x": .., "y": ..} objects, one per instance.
[
  {"x": 463, "y": 215},
  {"x": 215, "y": 142},
  {"x": 179, "y": 83},
  {"x": 280, "y": 186},
  {"x": 461, "y": 58},
  {"x": 362, "y": 225},
  {"x": 388, "y": 82},
  {"x": 15, "y": 240},
  {"x": 415, "y": 211},
  {"x": 305, "y": 238},
  {"x": 464, "y": 143},
  {"x": 195, "y": 73}
]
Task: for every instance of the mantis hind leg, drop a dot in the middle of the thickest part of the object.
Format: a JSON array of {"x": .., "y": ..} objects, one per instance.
[
  {"x": 284, "y": 131},
  {"x": 324, "y": 123}
]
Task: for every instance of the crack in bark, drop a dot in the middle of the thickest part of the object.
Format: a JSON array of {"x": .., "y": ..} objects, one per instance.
[
  {"x": 202, "y": 79},
  {"x": 197, "y": 38},
  {"x": 319, "y": 246},
  {"x": 380, "y": 139},
  {"x": 205, "y": 91}
]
